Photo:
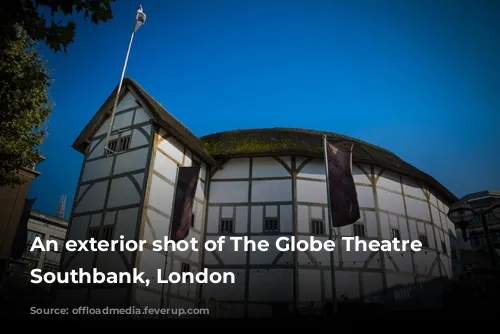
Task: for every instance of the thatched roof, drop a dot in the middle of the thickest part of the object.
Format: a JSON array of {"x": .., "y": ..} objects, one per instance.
[
  {"x": 309, "y": 143},
  {"x": 160, "y": 115}
]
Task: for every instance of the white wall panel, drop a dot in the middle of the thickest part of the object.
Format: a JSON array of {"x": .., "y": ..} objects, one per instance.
[
  {"x": 263, "y": 285},
  {"x": 172, "y": 146},
  {"x": 123, "y": 192},
  {"x": 229, "y": 192},
  {"x": 131, "y": 161},
  {"x": 161, "y": 195},
  {"x": 93, "y": 199},
  {"x": 390, "y": 201},
  {"x": 412, "y": 188},
  {"x": 310, "y": 285},
  {"x": 311, "y": 191},
  {"x": 96, "y": 169},
  {"x": 286, "y": 218},
  {"x": 265, "y": 257},
  {"x": 418, "y": 209},
  {"x": 141, "y": 116},
  {"x": 390, "y": 180},
  {"x": 124, "y": 119},
  {"x": 234, "y": 169},
  {"x": 228, "y": 255},
  {"x": 165, "y": 167},
  {"x": 213, "y": 219},
  {"x": 365, "y": 197},
  {"x": 230, "y": 292},
  {"x": 314, "y": 170},
  {"x": 345, "y": 284},
  {"x": 241, "y": 219},
  {"x": 272, "y": 191},
  {"x": 257, "y": 219},
  {"x": 359, "y": 175},
  {"x": 303, "y": 225},
  {"x": 268, "y": 167}
]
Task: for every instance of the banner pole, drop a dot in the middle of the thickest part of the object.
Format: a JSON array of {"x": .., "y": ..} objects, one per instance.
[
  {"x": 169, "y": 233},
  {"x": 331, "y": 231}
]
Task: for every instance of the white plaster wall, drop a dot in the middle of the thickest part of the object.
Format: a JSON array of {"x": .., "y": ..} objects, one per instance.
[
  {"x": 232, "y": 292},
  {"x": 131, "y": 119},
  {"x": 263, "y": 287},
  {"x": 417, "y": 212},
  {"x": 169, "y": 156},
  {"x": 229, "y": 192},
  {"x": 268, "y": 167}
]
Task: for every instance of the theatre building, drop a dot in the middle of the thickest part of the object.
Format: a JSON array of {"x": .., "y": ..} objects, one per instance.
[{"x": 263, "y": 184}]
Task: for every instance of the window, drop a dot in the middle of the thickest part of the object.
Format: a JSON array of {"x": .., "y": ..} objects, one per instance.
[
  {"x": 423, "y": 240},
  {"x": 395, "y": 234},
  {"x": 317, "y": 227},
  {"x": 443, "y": 246},
  {"x": 271, "y": 225},
  {"x": 60, "y": 243},
  {"x": 120, "y": 144},
  {"x": 107, "y": 233},
  {"x": 55, "y": 256},
  {"x": 93, "y": 233},
  {"x": 112, "y": 145},
  {"x": 185, "y": 267},
  {"x": 32, "y": 236},
  {"x": 195, "y": 162},
  {"x": 35, "y": 254},
  {"x": 359, "y": 230},
  {"x": 192, "y": 220},
  {"x": 125, "y": 143},
  {"x": 226, "y": 225}
]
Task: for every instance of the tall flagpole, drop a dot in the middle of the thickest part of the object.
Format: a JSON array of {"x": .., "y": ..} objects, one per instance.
[
  {"x": 331, "y": 232},
  {"x": 140, "y": 19}
]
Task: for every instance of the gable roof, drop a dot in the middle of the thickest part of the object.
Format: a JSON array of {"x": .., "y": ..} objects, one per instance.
[{"x": 159, "y": 114}]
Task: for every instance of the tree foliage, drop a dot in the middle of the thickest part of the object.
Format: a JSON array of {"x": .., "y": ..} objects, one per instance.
[
  {"x": 56, "y": 34},
  {"x": 24, "y": 101},
  {"x": 24, "y": 106}
]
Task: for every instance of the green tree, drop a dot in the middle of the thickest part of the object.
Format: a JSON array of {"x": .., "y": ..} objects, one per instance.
[
  {"x": 24, "y": 106},
  {"x": 24, "y": 101}
]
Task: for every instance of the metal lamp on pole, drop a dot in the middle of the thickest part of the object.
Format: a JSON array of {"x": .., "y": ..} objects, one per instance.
[
  {"x": 140, "y": 19},
  {"x": 461, "y": 214},
  {"x": 495, "y": 209}
]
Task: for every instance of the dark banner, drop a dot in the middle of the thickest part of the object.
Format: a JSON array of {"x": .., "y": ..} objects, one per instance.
[
  {"x": 21, "y": 238},
  {"x": 187, "y": 181},
  {"x": 342, "y": 190}
]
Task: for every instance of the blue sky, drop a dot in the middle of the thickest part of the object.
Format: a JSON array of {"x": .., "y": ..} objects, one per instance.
[{"x": 419, "y": 78}]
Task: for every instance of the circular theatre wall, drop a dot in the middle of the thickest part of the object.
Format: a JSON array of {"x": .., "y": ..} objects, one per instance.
[{"x": 271, "y": 183}]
